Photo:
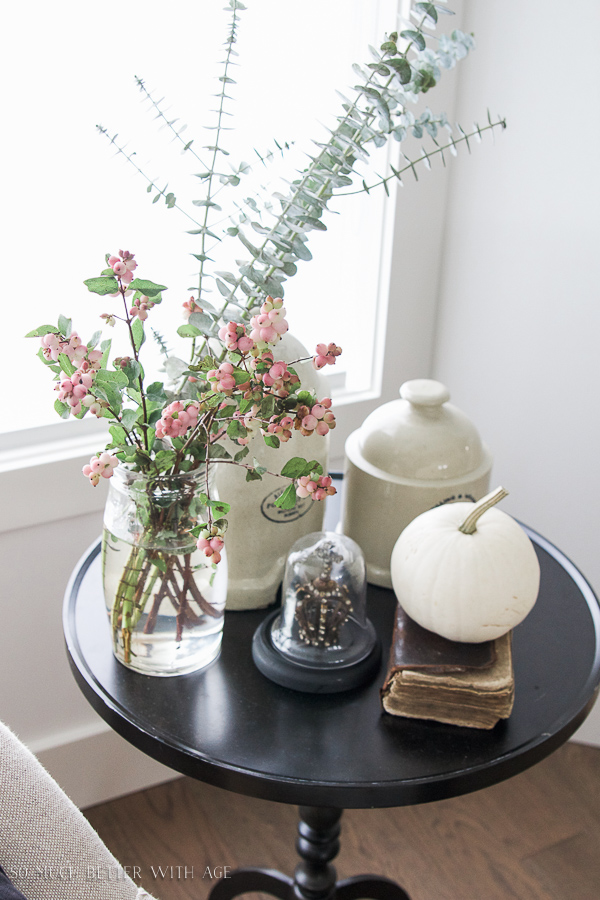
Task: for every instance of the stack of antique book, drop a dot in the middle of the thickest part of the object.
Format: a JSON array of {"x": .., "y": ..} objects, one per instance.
[{"x": 430, "y": 677}]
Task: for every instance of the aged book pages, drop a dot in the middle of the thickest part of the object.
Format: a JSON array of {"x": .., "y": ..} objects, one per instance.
[{"x": 476, "y": 697}]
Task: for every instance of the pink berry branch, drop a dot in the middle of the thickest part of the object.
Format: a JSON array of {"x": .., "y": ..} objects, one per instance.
[{"x": 154, "y": 432}]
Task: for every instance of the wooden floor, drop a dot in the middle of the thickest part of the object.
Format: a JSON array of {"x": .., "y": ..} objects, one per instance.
[{"x": 534, "y": 837}]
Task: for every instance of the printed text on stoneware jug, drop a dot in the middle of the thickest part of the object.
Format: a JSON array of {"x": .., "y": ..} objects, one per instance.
[{"x": 282, "y": 516}]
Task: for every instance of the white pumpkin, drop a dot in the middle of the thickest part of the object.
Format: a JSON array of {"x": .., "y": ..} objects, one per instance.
[{"x": 467, "y": 572}]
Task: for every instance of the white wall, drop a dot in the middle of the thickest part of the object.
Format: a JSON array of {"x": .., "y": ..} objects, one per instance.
[{"x": 519, "y": 319}]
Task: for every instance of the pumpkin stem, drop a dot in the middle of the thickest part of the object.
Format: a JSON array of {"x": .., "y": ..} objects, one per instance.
[{"x": 469, "y": 526}]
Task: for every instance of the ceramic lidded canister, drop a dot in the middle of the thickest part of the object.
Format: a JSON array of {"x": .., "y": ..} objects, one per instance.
[{"x": 408, "y": 455}]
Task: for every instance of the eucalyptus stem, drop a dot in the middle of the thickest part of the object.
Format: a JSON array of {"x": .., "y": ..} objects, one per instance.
[{"x": 425, "y": 156}]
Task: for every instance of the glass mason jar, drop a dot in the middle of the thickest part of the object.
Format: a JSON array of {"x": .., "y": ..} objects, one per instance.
[{"x": 165, "y": 600}]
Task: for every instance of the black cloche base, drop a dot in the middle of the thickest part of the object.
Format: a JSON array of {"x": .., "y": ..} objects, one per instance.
[
  {"x": 315, "y": 877},
  {"x": 312, "y": 679}
]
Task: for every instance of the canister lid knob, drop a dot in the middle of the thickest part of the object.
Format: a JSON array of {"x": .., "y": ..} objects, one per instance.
[{"x": 425, "y": 392}]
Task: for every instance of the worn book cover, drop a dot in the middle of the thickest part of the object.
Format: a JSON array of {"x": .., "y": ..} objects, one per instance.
[{"x": 430, "y": 677}]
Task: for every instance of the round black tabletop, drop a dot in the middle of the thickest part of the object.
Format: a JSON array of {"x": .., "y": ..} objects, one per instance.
[{"x": 230, "y": 726}]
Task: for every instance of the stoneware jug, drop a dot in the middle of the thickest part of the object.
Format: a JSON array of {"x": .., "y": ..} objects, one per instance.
[
  {"x": 408, "y": 455},
  {"x": 260, "y": 535}
]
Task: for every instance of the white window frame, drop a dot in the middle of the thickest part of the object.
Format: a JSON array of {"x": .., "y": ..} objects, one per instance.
[{"x": 33, "y": 461}]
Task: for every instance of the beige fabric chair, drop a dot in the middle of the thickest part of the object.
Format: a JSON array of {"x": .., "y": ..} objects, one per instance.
[{"x": 47, "y": 847}]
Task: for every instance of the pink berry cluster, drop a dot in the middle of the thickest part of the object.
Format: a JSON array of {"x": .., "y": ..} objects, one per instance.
[
  {"x": 123, "y": 265},
  {"x": 100, "y": 466},
  {"x": 325, "y": 355},
  {"x": 317, "y": 488},
  {"x": 269, "y": 324},
  {"x": 281, "y": 428},
  {"x": 222, "y": 379},
  {"x": 211, "y": 543},
  {"x": 177, "y": 418},
  {"x": 54, "y": 344},
  {"x": 235, "y": 338},
  {"x": 73, "y": 389},
  {"x": 277, "y": 376},
  {"x": 140, "y": 307},
  {"x": 317, "y": 418},
  {"x": 190, "y": 306}
]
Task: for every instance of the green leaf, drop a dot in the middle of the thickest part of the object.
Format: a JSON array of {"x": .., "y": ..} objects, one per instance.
[
  {"x": 219, "y": 507},
  {"x": 117, "y": 378},
  {"x": 164, "y": 459},
  {"x": 287, "y": 500},
  {"x": 240, "y": 376},
  {"x": 65, "y": 326},
  {"x": 65, "y": 363},
  {"x": 63, "y": 409},
  {"x": 129, "y": 418},
  {"x": 296, "y": 467},
  {"x": 107, "y": 392},
  {"x": 137, "y": 329},
  {"x": 118, "y": 434},
  {"x": 93, "y": 341},
  {"x": 133, "y": 372},
  {"x": 102, "y": 285},
  {"x": 188, "y": 331},
  {"x": 42, "y": 330},
  {"x": 54, "y": 367},
  {"x": 253, "y": 475},
  {"x": 236, "y": 430},
  {"x": 217, "y": 451},
  {"x": 267, "y": 407},
  {"x": 272, "y": 440},
  {"x": 146, "y": 287},
  {"x": 156, "y": 392},
  {"x": 241, "y": 454}
]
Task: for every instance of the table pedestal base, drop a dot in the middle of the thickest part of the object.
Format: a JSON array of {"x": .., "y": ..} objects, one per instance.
[{"x": 315, "y": 877}]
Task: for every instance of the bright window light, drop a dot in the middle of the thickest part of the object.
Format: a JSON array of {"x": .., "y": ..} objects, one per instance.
[{"x": 68, "y": 199}]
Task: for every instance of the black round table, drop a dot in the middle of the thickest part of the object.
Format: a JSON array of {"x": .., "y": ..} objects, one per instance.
[{"x": 230, "y": 726}]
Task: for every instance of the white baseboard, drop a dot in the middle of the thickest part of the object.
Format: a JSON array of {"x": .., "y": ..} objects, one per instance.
[{"x": 100, "y": 766}]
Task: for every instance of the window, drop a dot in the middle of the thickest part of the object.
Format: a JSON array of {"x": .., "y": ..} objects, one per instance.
[{"x": 69, "y": 200}]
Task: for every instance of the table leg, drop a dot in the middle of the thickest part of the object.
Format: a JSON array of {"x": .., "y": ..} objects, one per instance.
[{"x": 315, "y": 878}]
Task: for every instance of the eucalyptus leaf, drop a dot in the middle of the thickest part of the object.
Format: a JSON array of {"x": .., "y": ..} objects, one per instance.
[
  {"x": 175, "y": 367},
  {"x": 201, "y": 321}
]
